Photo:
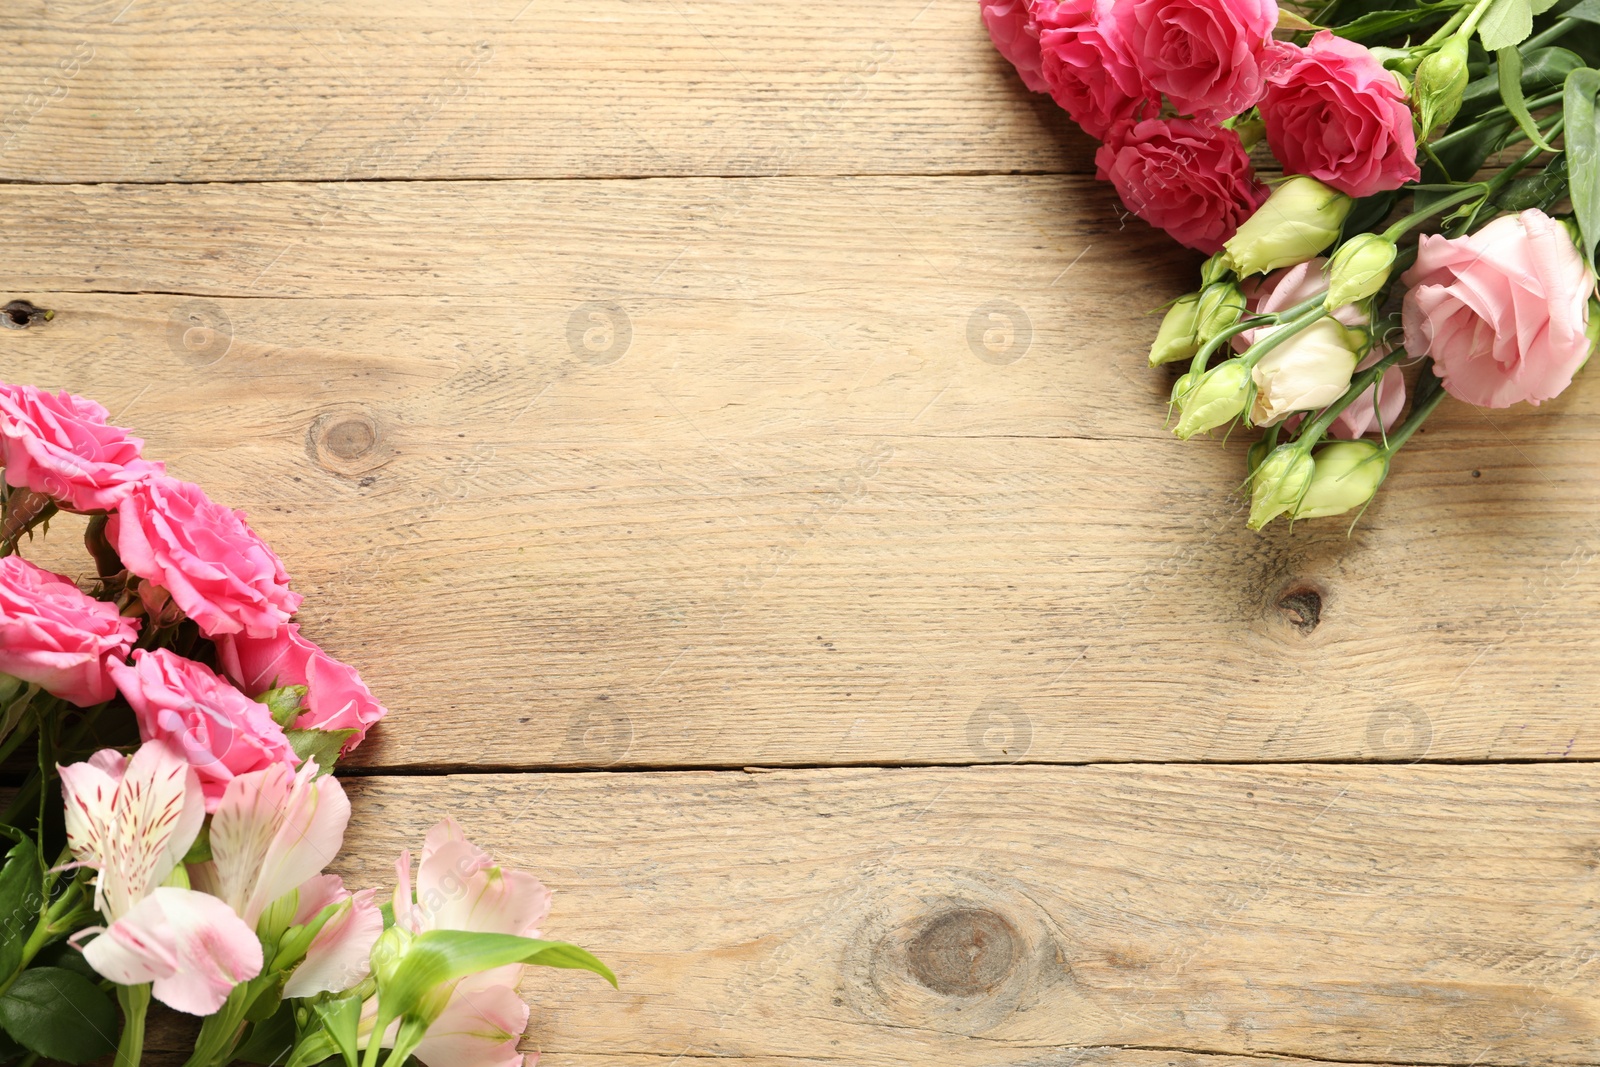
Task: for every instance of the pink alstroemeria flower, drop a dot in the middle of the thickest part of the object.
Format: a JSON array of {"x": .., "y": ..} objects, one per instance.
[
  {"x": 460, "y": 888},
  {"x": 132, "y": 820},
  {"x": 340, "y": 956}
]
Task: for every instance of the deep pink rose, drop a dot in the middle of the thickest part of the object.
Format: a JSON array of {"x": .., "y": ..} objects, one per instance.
[
  {"x": 59, "y": 445},
  {"x": 336, "y": 697},
  {"x": 55, "y": 637},
  {"x": 1190, "y": 179},
  {"x": 1084, "y": 69},
  {"x": 1501, "y": 311},
  {"x": 217, "y": 569},
  {"x": 219, "y": 730},
  {"x": 1333, "y": 112},
  {"x": 1207, "y": 56},
  {"x": 1016, "y": 37}
]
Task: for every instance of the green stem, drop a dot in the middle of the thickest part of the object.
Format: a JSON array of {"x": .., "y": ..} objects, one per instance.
[
  {"x": 135, "y": 1001},
  {"x": 1449, "y": 28},
  {"x": 1472, "y": 20},
  {"x": 1293, "y": 326},
  {"x": 1401, "y": 228},
  {"x": 1554, "y": 33},
  {"x": 1414, "y": 421}
]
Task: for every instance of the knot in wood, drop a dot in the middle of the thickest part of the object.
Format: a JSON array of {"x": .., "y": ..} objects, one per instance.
[
  {"x": 345, "y": 442},
  {"x": 963, "y": 953}
]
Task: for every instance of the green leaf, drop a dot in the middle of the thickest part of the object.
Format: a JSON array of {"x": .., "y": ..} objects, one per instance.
[
  {"x": 20, "y": 897},
  {"x": 1508, "y": 62},
  {"x": 270, "y": 1040},
  {"x": 1386, "y": 23},
  {"x": 1582, "y": 139},
  {"x": 286, "y": 703},
  {"x": 59, "y": 1014},
  {"x": 321, "y": 745},
  {"x": 68, "y": 957},
  {"x": 1543, "y": 69},
  {"x": 341, "y": 1020},
  {"x": 1588, "y": 11},
  {"x": 1506, "y": 24},
  {"x": 440, "y": 956},
  {"x": 1541, "y": 6}
]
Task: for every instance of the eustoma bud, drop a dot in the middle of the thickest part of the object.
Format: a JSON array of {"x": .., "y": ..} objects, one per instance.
[
  {"x": 1359, "y": 269},
  {"x": 1176, "y": 338},
  {"x": 1218, "y": 396},
  {"x": 1440, "y": 83},
  {"x": 1221, "y": 305},
  {"x": 1299, "y": 219},
  {"x": 1309, "y": 370},
  {"x": 1279, "y": 483},
  {"x": 1347, "y": 475}
]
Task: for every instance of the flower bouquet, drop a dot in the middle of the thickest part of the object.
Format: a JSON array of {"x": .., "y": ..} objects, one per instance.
[
  {"x": 171, "y": 837},
  {"x": 1440, "y": 206}
]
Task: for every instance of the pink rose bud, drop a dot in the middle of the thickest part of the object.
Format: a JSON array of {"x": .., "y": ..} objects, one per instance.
[
  {"x": 1334, "y": 113},
  {"x": 221, "y": 732},
  {"x": 336, "y": 698},
  {"x": 55, "y": 637},
  {"x": 1502, "y": 312},
  {"x": 59, "y": 445},
  {"x": 217, "y": 569},
  {"x": 1193, "y": 180}
]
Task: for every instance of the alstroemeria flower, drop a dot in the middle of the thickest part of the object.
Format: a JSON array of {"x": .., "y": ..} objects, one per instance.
[
  {"x": 340, "y": 955},
  {"x": 274, "y": 830},
  {"x": 133, "y": 820}
]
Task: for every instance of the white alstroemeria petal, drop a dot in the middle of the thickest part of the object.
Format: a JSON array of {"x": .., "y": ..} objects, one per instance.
[{"x": 191, "y": 945}]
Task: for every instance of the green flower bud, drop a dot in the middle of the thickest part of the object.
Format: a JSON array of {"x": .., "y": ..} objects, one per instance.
[
  {"x": 1300, "y": 219},
  {"x": 1214, "y": 269},
  {"x": 1440, "y": 83},
  {"x": 1347, "y": 474},
  {"x": 1359, "y": 269},
  {"x": 1258, "y": 452},
  {"x": 1175, "y": 339},
  {"x": 387, "y": 952},
  {"x": 1279, "y": 483},
  {"x": 1220, "y": 307},
  {"x": 1216, "y": 397}
]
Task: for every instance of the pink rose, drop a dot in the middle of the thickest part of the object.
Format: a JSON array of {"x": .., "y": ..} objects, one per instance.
[
  {"x": 1333, "y": 112},
  {"x": 55, "y": 637},
  {"x": 1190, "y": 179},
  {"x": 219, "y": 730},
  {"x": 1084, "y": 70},
  {"x": 217, "y": 569},
  {"x": 59, "y": 445},
  {"x": 1207, "y": 56},
  {"x": 1502, "y": 311},
  {"x": 1016, "y": 37},
  {"x": 336, "y": 697}
]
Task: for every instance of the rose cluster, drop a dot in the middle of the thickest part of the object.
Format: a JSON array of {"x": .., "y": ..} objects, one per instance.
[
  {"x": 1176, "y": 91},
  {"x": 194, "y": 863},
  {"x": 1318, "y": 296}
]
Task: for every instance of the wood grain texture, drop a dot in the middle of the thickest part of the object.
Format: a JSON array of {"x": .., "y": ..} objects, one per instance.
[
  {"x": 989, "y": 916},
  {"x": 745, "y": 473},
  {"x": 93, "y": 90}
]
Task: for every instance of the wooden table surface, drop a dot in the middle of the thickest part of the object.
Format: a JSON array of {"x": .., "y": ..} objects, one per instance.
[{"x": 720, "y": 432}]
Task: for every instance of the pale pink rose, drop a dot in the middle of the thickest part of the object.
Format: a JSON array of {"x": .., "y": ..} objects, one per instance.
[
  {"x": 217, "y": 569},
  {"x": 59, "y": 445},
  {"x": 1332, "y": 112},
  {"x": 1016, "y": 37},
  {"x": 1190, "y": 179},
  {"x": 1084, "y": 69},
  {"x": 336, "y": 697},
  {"x": 55, "y": 637},
  {"x": 1502, "y": 311},
  {"x": 1287, "y": 288},
  {"x": 221, "y": 732},
  {"x": 1207, "y": 56}
]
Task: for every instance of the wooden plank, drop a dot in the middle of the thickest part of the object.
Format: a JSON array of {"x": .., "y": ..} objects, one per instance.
[
  {"x": 336, "y": 90},
  {"x": 989, "y": 916},
  {"x": 801, "y": 516}
]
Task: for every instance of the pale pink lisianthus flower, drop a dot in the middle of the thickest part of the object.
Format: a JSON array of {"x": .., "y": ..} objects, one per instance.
[
  {"x": 218, "y": 570},
  {"x": 1334, "y": 113},
  {"x": 54, "y": 636},
  {"x": 1502, "y": 312},
  {"x": 61, "y": 446},
  {"x": 336, "y": 697},
  {"x": 221, "y": 732},
  {"x": 1209, "y": 57}
]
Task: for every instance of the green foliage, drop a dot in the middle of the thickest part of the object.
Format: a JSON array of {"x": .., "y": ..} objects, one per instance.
[
  {"x": 59, "y": 1014},
  {"x": 269, "y": 1040},
  {"x": 1508, "y": 65},
  {"x": 1508, "y": 23},
  {"x": 440, "y": 956},
  {"x": 20, "y": 899},
  {"x": 321, "y": 745},
  {"x": 1583, "y": 153}
]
